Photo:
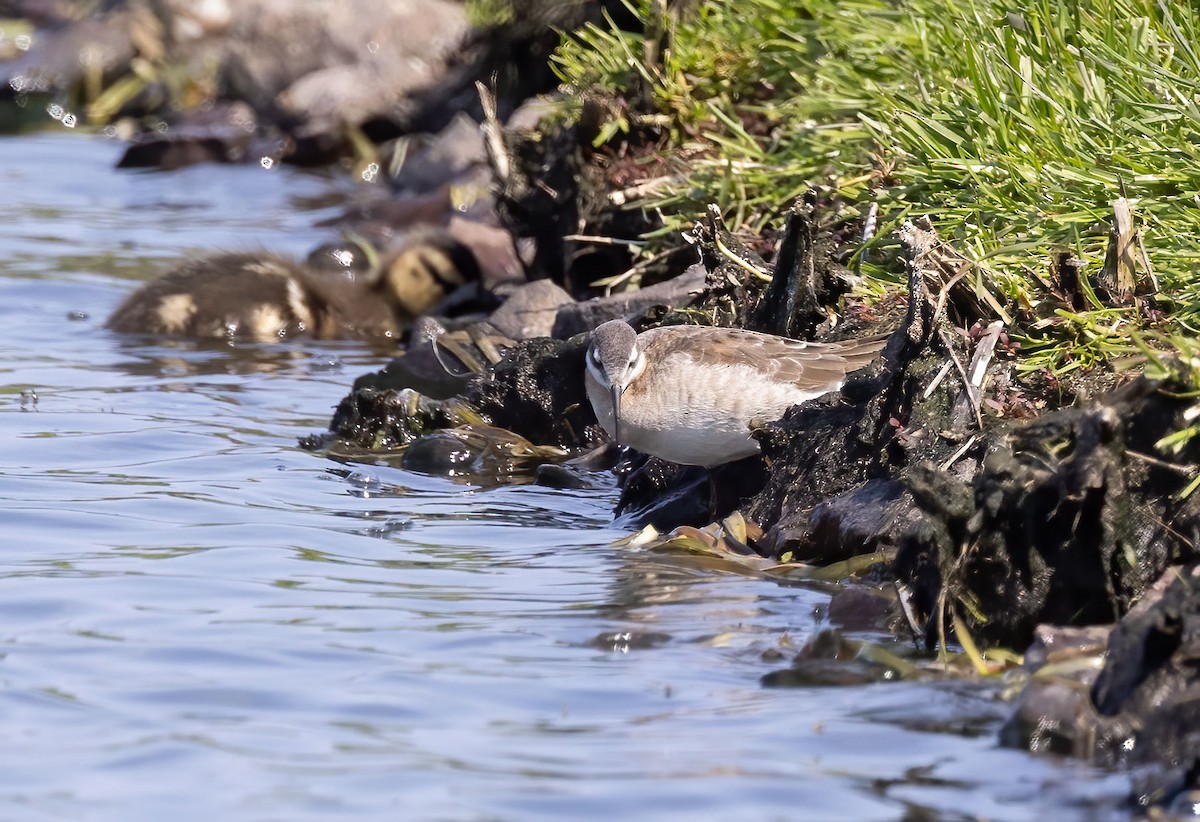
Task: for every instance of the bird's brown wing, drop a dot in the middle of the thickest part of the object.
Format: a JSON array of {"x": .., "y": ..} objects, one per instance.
[{"x": 808, "y": 365}]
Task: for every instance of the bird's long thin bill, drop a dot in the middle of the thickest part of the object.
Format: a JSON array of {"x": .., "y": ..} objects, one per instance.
[{"x": 616, "y": 397}]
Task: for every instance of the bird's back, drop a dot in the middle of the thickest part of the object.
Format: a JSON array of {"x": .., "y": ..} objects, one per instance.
[{"x": 703, "y": 387}]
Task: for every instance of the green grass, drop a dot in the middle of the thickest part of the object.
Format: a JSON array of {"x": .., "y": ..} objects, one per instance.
[{"x": 1012, "y": 125}]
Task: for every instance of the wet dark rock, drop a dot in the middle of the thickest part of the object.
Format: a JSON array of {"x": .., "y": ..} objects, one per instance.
[
  {"x": 830, "y": 659},
  {"x": 476, "y": 451},
  {"x": 1053, "y": 644},
  {"x": 604, "y": 458},
  {"x": 530, "y": 310},
  {"x": 1049, "y": 714},
  {"x": 383, "y": 419},
  {"x": 1064, "y": 524},
  {"x": 806, "y": 278},
  {"x": 565, "y": 477},
  {"x": 1133, "y": 704},
  {"x": 423, "y": 366},
  {"x": 862, "y": 520},
  {"x": 537, "y": 391},
  {"x": 861, "y": 609},
  {"x": 1054, "y": 713},
  {"x": 438, "y": 453},
  {"x": 662, "y": 494},
  {"x": 665, "y": 495}
]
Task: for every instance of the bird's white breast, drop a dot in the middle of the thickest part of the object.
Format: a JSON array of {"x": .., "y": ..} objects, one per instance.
[{"x": 696, "y": 414}]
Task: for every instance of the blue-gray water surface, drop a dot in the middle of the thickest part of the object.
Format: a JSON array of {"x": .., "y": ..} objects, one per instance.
[{"x": 200, "y": 620}]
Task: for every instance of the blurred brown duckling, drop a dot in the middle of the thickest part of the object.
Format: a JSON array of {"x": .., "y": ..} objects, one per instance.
[
  {"x": 431, "y": 273},
  {"x": 261, "y": 297}
]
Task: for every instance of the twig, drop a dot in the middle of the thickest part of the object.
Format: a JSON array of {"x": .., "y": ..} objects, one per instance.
[
  {"x": 608, "y": 282},
  {"x": 905, "y": 595},
  {"x": 945, "y": 466},
  {"x": 937, "y": 380},
  {"x": 493, "y": 140},
  {"x": 979, "y": 365},
  {"x": 641, "y": 189},
  {"x": 944, "y": 294},
  {"x": 870, "y": 222},
  {"x": 600, "y": 240},
  {"x": 753, "y": 269},
  {"x": 962, "y": 372},
  {"x": 1157, "y": 463}
]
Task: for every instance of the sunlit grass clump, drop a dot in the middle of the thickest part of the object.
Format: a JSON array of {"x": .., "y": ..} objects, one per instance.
[{"x": 1013, "y": 126}]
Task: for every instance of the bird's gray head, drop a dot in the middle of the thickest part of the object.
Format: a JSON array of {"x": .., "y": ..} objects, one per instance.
[{"x": 614, "y": 360}]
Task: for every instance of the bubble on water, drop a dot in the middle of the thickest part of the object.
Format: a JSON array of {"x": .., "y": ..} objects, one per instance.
[
  {"x": 266, "y": 162},
  {"x": 23, "y": 42},
  {"x": 389, "y": 526},
  {"x": 68, "y": 120},
  {"x": 55, "y": 111},
  {"x": 364, "y": 485},
  {"x": 320, "y": 364},
  {"x": 77, "y": 316},
  {"x": 370, "y": 172},
  {"x": 372, "y": 47}
]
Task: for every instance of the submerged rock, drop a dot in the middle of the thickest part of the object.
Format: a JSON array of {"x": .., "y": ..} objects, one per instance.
[{"x": 1123, "y": 697}]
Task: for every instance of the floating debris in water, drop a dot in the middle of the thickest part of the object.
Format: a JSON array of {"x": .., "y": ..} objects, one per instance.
[
  {"x": 623, "y": 642},
  {"x": 387, "y": 527}
]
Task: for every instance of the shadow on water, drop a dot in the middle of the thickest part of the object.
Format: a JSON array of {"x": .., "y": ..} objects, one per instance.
[{"x": 195, "y": 613}]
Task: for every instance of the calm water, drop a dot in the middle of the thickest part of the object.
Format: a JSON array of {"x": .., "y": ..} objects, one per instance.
[{"x": 198, "y": 620}]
